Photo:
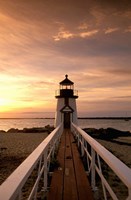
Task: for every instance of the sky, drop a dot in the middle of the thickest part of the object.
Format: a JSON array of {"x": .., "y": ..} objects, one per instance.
[{"x": 42, "y": 40}]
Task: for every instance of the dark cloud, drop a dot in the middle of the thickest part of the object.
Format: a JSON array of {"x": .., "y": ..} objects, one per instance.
[
  {"x": 94, "y": 47},
  {"x": 116, "y": 4},
  {"x": 63, "y": 10}
]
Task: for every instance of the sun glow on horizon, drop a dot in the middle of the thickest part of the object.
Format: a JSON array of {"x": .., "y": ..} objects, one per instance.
[
  {"x": 5, "y": 104},
  {"x": 23, "y": 93}
]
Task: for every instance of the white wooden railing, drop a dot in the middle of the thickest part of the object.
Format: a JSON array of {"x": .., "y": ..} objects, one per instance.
[
  {"x": 95, "y": 152},
  {"x": 36, "y": 166}
]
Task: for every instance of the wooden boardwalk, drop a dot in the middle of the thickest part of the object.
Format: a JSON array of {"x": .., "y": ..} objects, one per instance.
[{"x": 69, "y": 181}]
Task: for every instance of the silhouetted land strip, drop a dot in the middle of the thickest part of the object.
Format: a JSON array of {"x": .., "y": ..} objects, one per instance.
[
  {"x": 113, "y": 118},
  {"x": 47, "y": 129},
  {"x": 28, "y": 118},
  {"x": 124, "y": 118},
  {"x": 108, "y": 134}
]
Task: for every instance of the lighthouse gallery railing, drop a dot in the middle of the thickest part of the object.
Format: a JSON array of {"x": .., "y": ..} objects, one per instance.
[
  {"x": 37, "y": 163},
  {"x": 94, "y": 153}
]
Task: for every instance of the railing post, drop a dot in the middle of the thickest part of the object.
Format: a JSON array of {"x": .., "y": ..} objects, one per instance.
[
  {"x": 87, "y": 160},
  {"x": 104, "y": 190},
  {"x": 45, "y": 170},
  {"x": 57, "y": 140},
  {"x": 94, "y": 166},
  {"x": 39, "y": 168},
  {"x": 78, "y": 137},
  {"x": 53, "y": 151},
  {"x": 82, "y": 147},
  {"x": 93, "y": 180}
]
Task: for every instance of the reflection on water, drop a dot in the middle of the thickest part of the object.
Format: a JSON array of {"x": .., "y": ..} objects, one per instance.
[
  {"x": 6, "y": 124},
  {"x": 119, "y": 124}
]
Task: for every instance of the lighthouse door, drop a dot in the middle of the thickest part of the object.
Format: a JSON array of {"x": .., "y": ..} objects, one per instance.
[{"x": 67, "y": 120}]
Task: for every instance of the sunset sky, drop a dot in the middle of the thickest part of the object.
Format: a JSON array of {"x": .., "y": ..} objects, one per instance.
[{"x": 42, "y": 40}]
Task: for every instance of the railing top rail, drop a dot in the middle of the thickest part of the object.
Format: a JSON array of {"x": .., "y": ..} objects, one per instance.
[
  {"x": 120, "y": 169},
  {"x": 15, "y": 181}
]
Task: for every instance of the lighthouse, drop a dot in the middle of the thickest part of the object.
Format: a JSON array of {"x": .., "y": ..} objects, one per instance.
[{"x": 66, "y": 111}]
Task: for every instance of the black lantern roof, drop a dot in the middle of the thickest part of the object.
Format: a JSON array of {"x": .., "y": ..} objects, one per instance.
[{"x": 66, "y": 81}]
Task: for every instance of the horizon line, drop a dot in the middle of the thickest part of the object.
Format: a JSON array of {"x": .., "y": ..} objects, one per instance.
[{"x": 117, "y": 117}]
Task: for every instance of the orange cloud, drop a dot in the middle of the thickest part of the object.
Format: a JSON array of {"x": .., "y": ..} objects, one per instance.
[
  {"x": 63, "y": 35},
  {"x": 88, "y": 33},
  {"x": 111, "y": 30},
  {"x": 69, "y": 35}
]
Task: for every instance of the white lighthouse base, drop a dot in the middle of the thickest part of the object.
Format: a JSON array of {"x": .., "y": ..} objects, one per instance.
[{"x": 59, "y": 116}]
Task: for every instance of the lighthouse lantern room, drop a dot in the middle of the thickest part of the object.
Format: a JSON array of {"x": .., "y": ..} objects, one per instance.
[{"x": 66, "y": 110}]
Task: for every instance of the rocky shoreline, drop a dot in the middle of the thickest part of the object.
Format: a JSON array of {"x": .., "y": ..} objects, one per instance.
[
  {"x": 106, "y": 134},
  {"x": 47, "y": 128},
  {"x": 116, "y": 141}
]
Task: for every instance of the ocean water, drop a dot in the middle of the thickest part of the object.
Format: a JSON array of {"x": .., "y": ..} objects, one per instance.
[{"x": 120, "y": 124}]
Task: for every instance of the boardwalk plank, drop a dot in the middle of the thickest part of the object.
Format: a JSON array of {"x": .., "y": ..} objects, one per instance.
[
  {"x": 56, "y": 190},
  {"x": 69, "y": 181},
  {"x": 70, "y": 188},
  {"x": 84, "y": 189}
]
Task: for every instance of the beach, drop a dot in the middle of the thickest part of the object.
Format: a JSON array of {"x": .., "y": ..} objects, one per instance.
[
  {"x": 14, "y": 148},
  {"x": 121, "y": 151}
]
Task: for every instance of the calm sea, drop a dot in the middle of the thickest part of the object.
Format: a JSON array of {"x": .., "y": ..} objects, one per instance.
[{"x": 6, "y": 124}]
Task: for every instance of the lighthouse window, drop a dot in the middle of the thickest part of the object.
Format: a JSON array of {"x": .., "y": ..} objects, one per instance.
[{"x": 66, "y": 87}]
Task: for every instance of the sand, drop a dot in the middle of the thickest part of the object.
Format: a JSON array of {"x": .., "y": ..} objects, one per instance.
[
  {"x": 121, "y": 151},
  {"x": 14, "y": 148}
]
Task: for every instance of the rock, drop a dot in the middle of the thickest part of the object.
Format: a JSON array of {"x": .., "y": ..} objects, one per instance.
[
  {"x": 2, "y": 131},
  {"x": 47, "y": 128},
  {"x": 13, "y": 130},
  {"x": 106, "y": 134}
]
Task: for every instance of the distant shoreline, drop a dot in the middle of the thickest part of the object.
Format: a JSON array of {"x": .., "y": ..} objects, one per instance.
[{"x": 123, "y": 118}]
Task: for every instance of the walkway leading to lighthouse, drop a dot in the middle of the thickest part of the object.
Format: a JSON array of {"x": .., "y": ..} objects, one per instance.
[{"x": 69, "y": 181}]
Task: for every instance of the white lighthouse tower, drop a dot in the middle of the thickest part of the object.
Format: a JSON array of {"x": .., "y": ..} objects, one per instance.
[{"x": 66, "y": 110}]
